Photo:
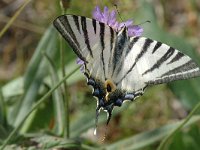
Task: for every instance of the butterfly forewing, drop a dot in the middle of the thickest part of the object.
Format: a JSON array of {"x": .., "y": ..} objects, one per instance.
[{"x": 91, "y": 40}]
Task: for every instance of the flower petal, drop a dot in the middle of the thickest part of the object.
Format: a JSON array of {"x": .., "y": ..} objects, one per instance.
[
  {"x": 128, "y": 23},
  {"x": 106, "y": 15},
  {"x": 116, "y": 26},
  {"x": 97, "y": 13},
  {"x": 135, "y": 30},
  {"x": 112, "y": 18},
  {"x": 79, "y": 61},
  {"x": 109, "y": 18},
  {"x": 82, "y": 69}
]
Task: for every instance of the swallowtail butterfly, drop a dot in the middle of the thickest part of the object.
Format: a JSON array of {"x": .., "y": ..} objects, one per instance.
[{"x": 119, "y": 67}]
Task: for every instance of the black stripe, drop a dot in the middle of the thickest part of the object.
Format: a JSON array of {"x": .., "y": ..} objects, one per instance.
[
  {"x": 76, "y": 23},
  {"x": 131, "y": 44},
  {"x": 84, "y": 29},
  {"x": 185, "y": 67},
  {"x": 94, "y": 25},
  {"x": 68, "y": 38},
  {"x": 111, "y": 38},
  {"x": 64, "y": 20},
  {"x": 175, "y": 74},
  {"x": 166, "y": 56},
  {"x": 158, "y": 44},
  {"x": 101, "y": 34},
  {"x": 178, "y": 56},
  {"x": 146, "y": 45},
  {"x": 119, "y": 48},
  {"x": 102, "y": 30}
]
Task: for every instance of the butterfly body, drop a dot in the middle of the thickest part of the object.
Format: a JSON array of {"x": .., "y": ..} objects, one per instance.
[{"x": 119, "y": 67}]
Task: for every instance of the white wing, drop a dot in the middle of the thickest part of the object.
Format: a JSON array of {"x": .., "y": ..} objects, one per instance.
[
  {"x": 131, "y": 63},
  {"x": 150, "y": 62},
  {"x": 91, "y": 40}
]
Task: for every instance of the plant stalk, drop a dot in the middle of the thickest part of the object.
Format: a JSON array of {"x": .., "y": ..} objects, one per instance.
[{"x": 162, "y": 145}]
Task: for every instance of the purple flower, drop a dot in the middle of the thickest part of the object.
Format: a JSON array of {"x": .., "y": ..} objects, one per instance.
[
  {"x": 109, "y": 18},
  {"x": 80, "y": 62}
]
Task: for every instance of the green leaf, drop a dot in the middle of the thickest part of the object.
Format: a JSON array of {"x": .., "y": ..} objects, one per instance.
[
  {"x": 35, "y": 106},
  {"x": 51, "y": 142},
  {"x": 144, "y": 139},
  {"x": 45, "y": 45},
  {"x": 2, "y": 109},
  {"x": 59, "y": 107},
  {"x": 42, "y": 141},
  {"x": 187, "y": 140},
  {"x": 13, "y": 88},
  {"x": 36, "y": 72}
]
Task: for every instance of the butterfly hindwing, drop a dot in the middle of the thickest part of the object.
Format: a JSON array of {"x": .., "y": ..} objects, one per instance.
[{"x": 150, "y": 62}]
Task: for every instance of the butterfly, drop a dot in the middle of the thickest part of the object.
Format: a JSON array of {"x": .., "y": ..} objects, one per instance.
[{"x": 119, "y": 67}]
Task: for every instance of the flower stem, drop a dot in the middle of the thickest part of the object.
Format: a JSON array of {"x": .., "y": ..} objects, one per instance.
[
  {"x": 162, "y": 145},
  {"x": 41, "y": 100},
  {"x": 65, "y": 91}
]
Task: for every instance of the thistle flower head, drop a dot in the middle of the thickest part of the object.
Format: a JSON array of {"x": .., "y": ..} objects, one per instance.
[{"x": 109, "y": 18}]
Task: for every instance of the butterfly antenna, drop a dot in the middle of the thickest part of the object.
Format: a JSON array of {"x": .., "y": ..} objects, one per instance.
[
  {"x": 147, "y": 21},
  {"x": 116, "y": 7}
]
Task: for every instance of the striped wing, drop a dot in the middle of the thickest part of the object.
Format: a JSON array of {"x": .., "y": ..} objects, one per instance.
[
  {"x": 131, "y": 63},
  {"x": 91, "y": 40},
  {"x": 151, "y": 62}
]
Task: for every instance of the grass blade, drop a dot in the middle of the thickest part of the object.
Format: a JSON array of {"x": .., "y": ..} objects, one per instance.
[
  {"x": 59, "y": 107},
  {"x": 36, "y": 72},
  {"x": 164, "y": 142},
  {"x": 144, "y": 139},
  {"x": 13, "y": 18}
]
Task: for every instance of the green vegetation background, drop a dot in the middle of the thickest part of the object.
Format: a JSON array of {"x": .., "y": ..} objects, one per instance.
[{"x": 32, "y": 60}]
